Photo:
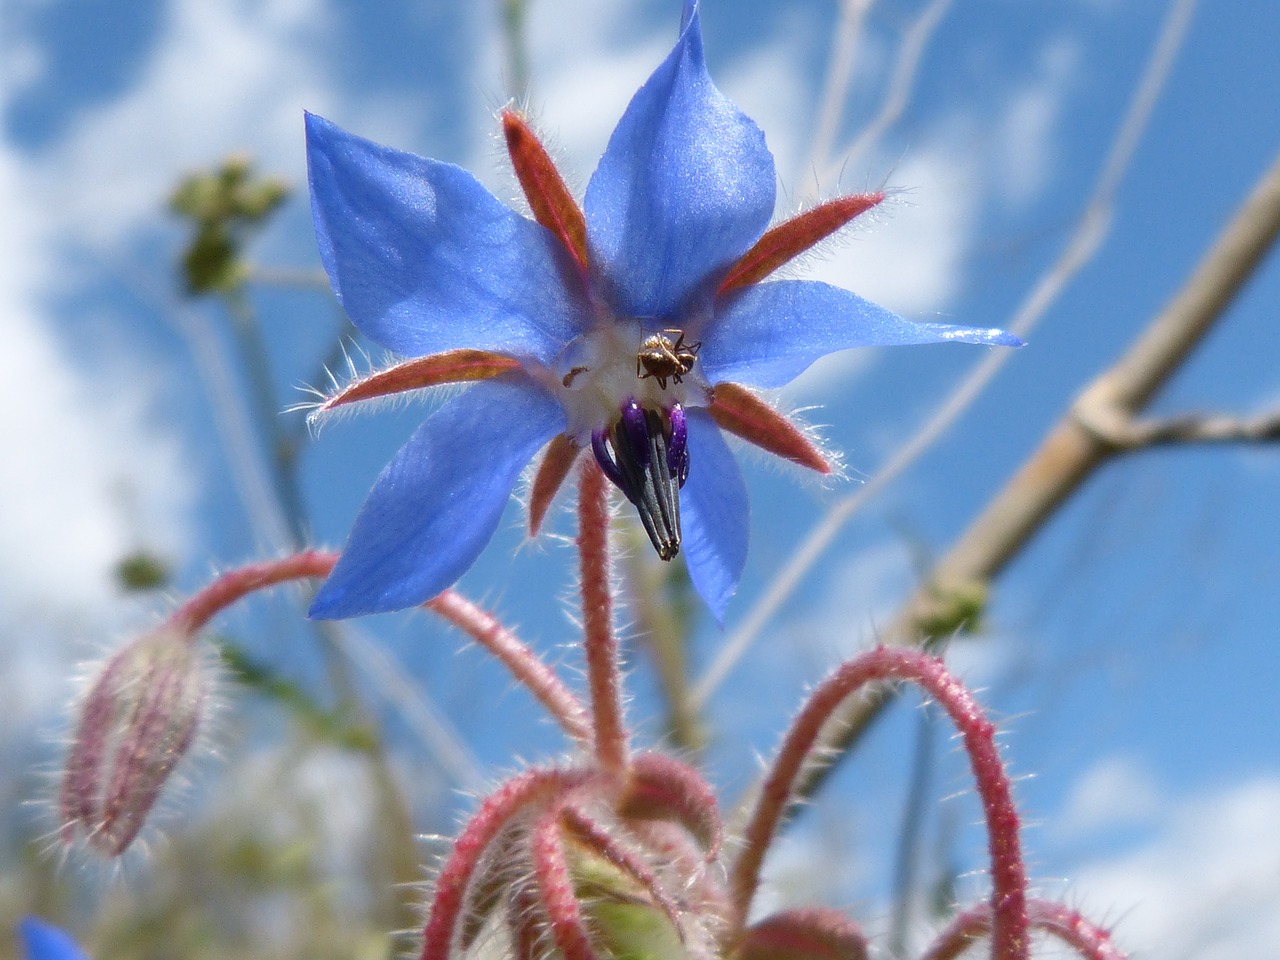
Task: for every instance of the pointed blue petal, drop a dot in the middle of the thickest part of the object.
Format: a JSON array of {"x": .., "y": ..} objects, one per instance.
[
  {"x": 439, "y": 500},
  {"x": 425, "y": 259},
  {"x": 686, "y": 185},
  {"x": 769, "y": 333},
  {"x": 42, "y": 941},
  {"x": 715, "y": 515},
  {"x": 687, "y": 11}
]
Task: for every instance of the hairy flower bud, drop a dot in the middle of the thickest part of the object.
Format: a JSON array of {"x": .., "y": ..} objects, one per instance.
[{"x": 137, "y": 720}]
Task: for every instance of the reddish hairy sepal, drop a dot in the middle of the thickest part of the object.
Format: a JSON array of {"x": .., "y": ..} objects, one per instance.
[
  {"x": 793, "y": 237},
  {"x": 526, "y": 924},
  {"x": 491, "y": 887},
  {"x": 552, "y": 204},
  {"x": 745, "y": 415},
  {"x": 595, "y": 837},
  {"x": 557, "y": 461},
  {"x": 815, "y": 934},
  {"x": 452, "y": 366},
  {"x": 556, "y": 891},
  {"x": 660, "y": 788},
  {"x": 83, "y": 768}
]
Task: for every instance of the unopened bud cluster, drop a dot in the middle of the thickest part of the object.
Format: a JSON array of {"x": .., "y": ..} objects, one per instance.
[{"x": 138, "y": 719}]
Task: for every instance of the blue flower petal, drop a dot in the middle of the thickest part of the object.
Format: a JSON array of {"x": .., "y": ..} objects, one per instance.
[
  {"x": 715, "y": 515},
  {"x": 689, "y": 8},
  {"x": 424, "y": 259},
  {"x": 769, "y": 333},
  {"x": 685, "y": 186},
  {"x": 438, "y": 502},
  {"x": 43, "y": 941}
]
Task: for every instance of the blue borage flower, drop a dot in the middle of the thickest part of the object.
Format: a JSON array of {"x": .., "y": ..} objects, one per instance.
[
  {"x": 42, "y": 941},
  {"x": 629, "y": 326}
]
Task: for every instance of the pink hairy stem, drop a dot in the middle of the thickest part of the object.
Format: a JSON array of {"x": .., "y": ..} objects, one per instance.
[
  {"x": 1009, "y": 882},
  {"x": 1056, "y": 919},
  {"x": 230, "y": 587},
  {"x": 477, "y": 623},
  {"x": 538, "y": 678},
  {"x": 600, "y": 643},
  {"x": 495, "y": 813},
  {"x": 555, "y": 889}
]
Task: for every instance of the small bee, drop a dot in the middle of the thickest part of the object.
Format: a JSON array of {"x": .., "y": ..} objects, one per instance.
[{"x": 664, "y": 360}]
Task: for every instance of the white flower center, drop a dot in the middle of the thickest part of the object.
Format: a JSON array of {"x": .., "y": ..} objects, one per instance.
[{"x": 601, "y": 370}]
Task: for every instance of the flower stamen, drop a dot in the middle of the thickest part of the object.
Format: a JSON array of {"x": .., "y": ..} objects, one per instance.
[{"x": 645, "y": 453}]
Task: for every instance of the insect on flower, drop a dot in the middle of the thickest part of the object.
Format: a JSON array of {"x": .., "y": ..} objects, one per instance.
[
  {"x": 664, "y": 360},
  {"x": 635, "y": 325}
]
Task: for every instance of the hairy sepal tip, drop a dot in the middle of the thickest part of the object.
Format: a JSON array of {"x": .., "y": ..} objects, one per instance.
[
  {"x": 549, "y": 198},
  {"x": 784, "y": 242}
]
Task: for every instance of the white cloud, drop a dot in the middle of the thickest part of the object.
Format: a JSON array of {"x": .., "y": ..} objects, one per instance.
[
  {"x": 770, "y": 86},
  {"x": 92, "y": 476},
  {"x": 221, "y": 76},
  {"x": 1024, "y": 141},
  {"x": 911, "y": 255},
  {"x": 91, "y": 450},
  {"x": 860, "y": 594},
  {"x": 1115, "y": 792},
  {"x": 584, "y": 78},
  {"x": 93, "y": 469},
  {"x": 1206, "y": 886}
]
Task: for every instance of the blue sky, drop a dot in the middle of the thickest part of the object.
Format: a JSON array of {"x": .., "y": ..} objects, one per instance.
[{"x": 1132, "y": 646}]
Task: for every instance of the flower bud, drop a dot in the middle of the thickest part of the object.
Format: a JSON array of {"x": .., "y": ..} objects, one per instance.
[{"x": 137, "y": 720}]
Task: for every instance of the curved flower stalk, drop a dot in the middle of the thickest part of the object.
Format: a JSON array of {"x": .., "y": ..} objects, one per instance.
[
  {"x": 1044, "y": 916},
  {"x": 1008, "y": 911},
  {"x": 634, "y": 325},
  {"x": 616, "y": 854},
  {"x": 585, "y": 862},
  {"x": 144, "y": 709}
]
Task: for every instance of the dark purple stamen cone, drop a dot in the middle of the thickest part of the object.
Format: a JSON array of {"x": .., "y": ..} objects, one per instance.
[
  {"x": 645, "y": 453},
  {"x": 677, "y": 444}
]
